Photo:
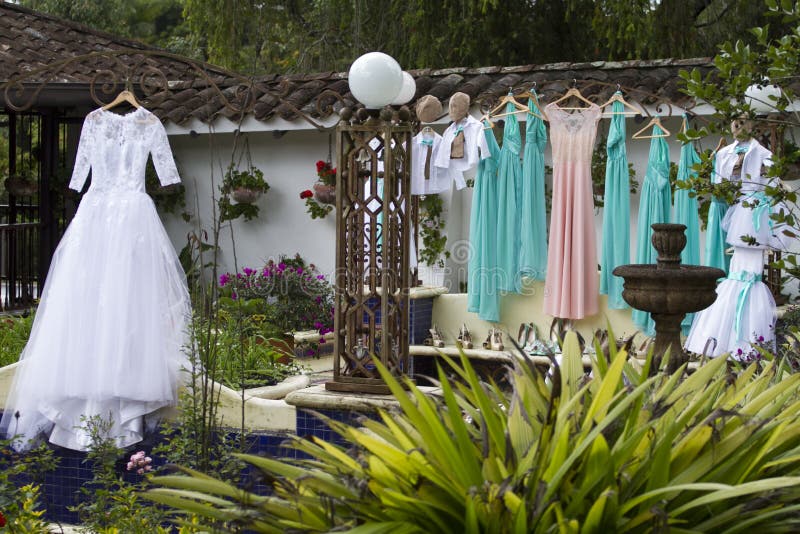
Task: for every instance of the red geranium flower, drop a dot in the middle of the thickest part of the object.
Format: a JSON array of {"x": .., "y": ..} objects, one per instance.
[
  {"x": 2, "y": 520},
  {"x": 306, "y": 194},
  {"x": 320, "y": 165}
]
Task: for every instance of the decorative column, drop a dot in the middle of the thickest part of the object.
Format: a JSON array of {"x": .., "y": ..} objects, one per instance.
[{"x": 373, "y": 226}]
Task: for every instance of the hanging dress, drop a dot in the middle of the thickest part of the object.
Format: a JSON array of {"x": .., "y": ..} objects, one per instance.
[
  {"x": 482, "y": 295},
  {"x": 108, "y": 336},
  {"x": 616, "y": 248},
  {"x": 509, "y": 178},
  {"x": 747, "y": 223},
  {"x": 715, "y": 236},
  {"x": 571, "y": 290},
  {"x": 654, "y": 207},
  {"x": 686, "y": 212},
  {"x": 743, "y": 313},
  {"x": 533, "y": 210}
]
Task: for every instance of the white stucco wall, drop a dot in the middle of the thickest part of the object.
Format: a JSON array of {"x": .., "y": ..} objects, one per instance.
[
  {"x": 288, "y": 163},
  {"x": 283, "y": 226}
]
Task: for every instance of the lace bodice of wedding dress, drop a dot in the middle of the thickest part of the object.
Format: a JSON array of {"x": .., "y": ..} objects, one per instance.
[{"x": 116, "y": 148}]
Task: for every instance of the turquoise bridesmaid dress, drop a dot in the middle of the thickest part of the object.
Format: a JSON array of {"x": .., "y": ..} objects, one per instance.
[
  {"x": 686, "y": 212},
  {"x": 654, "y": 207},
  {"x": 482, "y": 296},
  {"x": 715, "y": 236},
  {"x": 616, "y": 249},
  {"x": 533, "y": 211},
  {"x": 509, "y": 178}
]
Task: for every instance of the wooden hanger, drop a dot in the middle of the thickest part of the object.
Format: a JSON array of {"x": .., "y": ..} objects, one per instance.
[
  {"x": 533, "y": 96},
  {"x": 509, "y": 98},
  {"x": 617, "y": 97},
  {"x": 573, "y": 91},
  {"x": 124, "y": 96},
  {"x": 655, "y": 121}
]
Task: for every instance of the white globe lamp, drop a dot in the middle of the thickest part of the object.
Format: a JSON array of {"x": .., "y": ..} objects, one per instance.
[
  {"x": 375, "y": 79},
  {"x": 407, "y": 91},
  {"x": 762, "y": 97}
]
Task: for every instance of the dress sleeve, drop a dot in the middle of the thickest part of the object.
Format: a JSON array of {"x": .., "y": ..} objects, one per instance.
[
  {"x": 82, "y": 162},
  {"x": 162, "y": 156}
]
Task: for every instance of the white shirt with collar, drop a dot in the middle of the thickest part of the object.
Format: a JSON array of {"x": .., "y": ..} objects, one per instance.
[
  {"x": 756, "y": 157},
  {"x": 439, "y": 179},
  {"x": 475, "y": 148}
]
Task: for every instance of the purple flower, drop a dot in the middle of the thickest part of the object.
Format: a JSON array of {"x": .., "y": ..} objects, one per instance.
[
  {"x": 322, "y": 341},
  {"x": 234, "y": 296},
  {"x": 760, "y": 339},
  {"x": 320, "y": 277},
  {"x": 223, "y": 279},
  {"x": 248, "y": 271},
  {"x": 299, "y": 270},
  {"x": 281, "y": 266}
]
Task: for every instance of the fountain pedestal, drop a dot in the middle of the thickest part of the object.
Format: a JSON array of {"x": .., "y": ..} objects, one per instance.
[{"x": 669, "y": 290}]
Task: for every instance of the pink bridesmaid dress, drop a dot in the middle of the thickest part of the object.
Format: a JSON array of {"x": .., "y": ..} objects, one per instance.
[{"x": 571, "y": 284}]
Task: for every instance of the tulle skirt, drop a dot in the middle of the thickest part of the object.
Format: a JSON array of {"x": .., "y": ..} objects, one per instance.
[
  {"x": 108, "y": 336},
  {"x": 714, "y": 330}
]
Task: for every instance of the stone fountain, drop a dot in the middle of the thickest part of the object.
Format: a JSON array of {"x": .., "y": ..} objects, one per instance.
[{"x": 669, "y": 290}]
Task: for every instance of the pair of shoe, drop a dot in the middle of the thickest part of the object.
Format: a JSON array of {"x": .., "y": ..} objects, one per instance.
[
  {"x": 559, "y": 328},
  {"x": 494, "y": 341},
  {"x": 529, "y": 340},
  {"x": 464, "y": 337},
  {"x": 436, "y": 339}
]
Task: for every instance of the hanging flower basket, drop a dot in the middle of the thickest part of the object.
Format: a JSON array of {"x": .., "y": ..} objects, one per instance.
[
  {"x": 244, "y": 195},
  {"x": 325, "y": 193},
  {"x": 20, "y": 186}
]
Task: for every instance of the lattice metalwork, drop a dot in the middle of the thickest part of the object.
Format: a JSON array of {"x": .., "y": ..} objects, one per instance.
[{"x": 372, "y": 251}]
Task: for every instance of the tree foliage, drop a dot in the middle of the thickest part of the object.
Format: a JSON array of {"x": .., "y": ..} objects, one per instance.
[
  {"x": 154, "y": 22},
  {"x": 279, "y": 36},
  {"x": 772, "y": 58}
]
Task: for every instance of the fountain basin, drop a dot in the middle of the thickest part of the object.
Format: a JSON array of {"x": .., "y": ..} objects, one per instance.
[
  {"x": 678, "y": 290},
  {"x": 669, "y": 290}
]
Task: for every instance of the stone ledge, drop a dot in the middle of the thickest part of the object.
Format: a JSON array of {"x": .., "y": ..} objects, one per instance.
[
  {"x": 318, "y": 398},
  {"x": 479, "y": 354}
]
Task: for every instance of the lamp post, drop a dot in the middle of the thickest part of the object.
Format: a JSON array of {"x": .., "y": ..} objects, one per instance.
[{"x": 373, "y": 186}]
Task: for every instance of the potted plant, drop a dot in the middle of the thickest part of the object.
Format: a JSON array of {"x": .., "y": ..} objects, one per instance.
[
  {"x": 320, "y": 200},
  {"x": 21, "y": 184},
  {"x": 431, "y": 231},
  {"x": 245, "y": 186},
  {"x": 325, "y": 188}
]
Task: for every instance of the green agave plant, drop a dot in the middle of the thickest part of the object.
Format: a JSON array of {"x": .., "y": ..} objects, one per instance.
[{"x": 615, "y": 452}]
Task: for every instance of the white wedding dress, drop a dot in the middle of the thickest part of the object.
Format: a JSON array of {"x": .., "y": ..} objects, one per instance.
[{"x": 108, "y": 336}]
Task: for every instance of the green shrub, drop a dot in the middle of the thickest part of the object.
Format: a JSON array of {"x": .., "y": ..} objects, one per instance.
[
  {"x": 21, "y": 507},
  {"x": 614, "y": 452},
  {"x": 14, "y": 333}
]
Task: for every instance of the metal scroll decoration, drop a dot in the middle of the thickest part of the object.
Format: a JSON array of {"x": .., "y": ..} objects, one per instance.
[
  {"x": 372, "y": 251},
  {"x": 155, "y": 75}
]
